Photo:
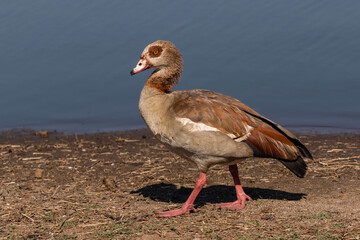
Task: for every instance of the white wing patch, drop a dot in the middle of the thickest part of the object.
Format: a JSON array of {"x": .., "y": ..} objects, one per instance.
[
  {"x": 196, "y": 127},
  {"x": 199, "y": 127},
  {"x": 246, "y": 135}
]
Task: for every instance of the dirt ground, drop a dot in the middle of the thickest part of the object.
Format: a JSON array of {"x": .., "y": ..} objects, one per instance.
[{"x": 109, "y": 186}]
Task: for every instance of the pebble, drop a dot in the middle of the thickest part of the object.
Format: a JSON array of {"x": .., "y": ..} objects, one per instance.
[{"x": 39, "y": 173}]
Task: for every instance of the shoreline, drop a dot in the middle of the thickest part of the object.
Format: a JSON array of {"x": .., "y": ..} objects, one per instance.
[{"x": 297, "y": 131}]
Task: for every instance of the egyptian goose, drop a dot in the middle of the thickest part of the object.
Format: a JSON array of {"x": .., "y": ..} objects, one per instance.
[{"x": 209, "y": 128}]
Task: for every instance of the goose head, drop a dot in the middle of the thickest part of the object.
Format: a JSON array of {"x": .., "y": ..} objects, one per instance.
[{"x": 162, "y": 56}]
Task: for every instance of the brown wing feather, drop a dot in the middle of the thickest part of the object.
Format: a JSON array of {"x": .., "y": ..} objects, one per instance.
[
  {"x": 233, "y": 117},
  {"x": 272, "y": 143}
]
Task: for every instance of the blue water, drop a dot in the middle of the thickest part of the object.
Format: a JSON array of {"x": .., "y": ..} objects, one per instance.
[{"x": 65, "y": 64}]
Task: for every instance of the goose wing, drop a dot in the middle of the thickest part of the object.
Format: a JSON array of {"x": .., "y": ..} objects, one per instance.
[{"x": 238, "y": 121}]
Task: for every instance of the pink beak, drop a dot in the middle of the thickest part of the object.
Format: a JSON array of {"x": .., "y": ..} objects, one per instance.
[{"x": 142, "y": 65}]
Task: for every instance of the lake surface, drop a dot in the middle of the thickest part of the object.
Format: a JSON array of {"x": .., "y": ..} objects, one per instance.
[{"x": 65, "y": 64}]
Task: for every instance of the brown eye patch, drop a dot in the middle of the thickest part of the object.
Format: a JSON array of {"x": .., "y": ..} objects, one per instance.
[{"x": 155, "y": 51}]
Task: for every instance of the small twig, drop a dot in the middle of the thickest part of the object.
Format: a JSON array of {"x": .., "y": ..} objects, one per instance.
[
  {"x": 28, "y": 217},
  {"x": 92, "y": 165},
  {"x": 66, "y": 219},
  {"x": 76, "y": 137},
  {"x": 119, "y": 139},
  {"x": 113, "y": 218},
  {"x": 63, "y": 222},
  {"x": 56, "y": 190},
  {"x": 92, "y": 225}
]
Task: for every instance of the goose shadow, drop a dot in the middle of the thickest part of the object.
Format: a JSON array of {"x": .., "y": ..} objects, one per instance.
[{"x": 213, "y": 194}]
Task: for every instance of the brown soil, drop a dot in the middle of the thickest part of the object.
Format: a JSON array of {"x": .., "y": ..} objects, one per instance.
[{"x": 108, "y": 186}]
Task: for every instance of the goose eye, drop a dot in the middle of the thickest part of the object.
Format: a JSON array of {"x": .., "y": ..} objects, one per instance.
[{"x": 155, "y": 51}]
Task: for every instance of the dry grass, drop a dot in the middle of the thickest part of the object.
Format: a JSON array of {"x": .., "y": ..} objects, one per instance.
[{"x": 108, "y": 186}]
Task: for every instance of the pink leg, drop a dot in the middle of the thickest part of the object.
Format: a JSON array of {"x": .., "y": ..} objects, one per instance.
[
  {"x": 241, "y": 196},
  {"x": 188, "y": 205}
]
